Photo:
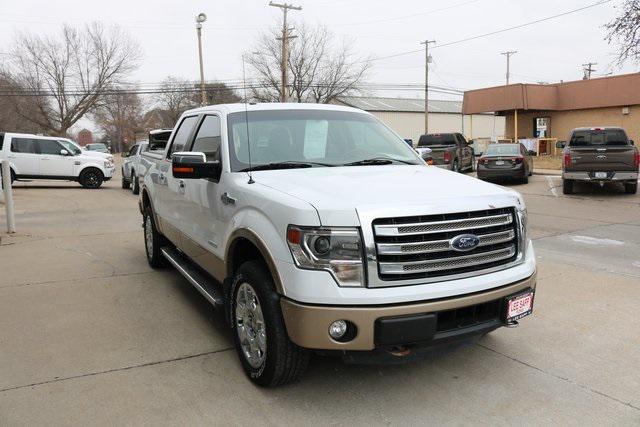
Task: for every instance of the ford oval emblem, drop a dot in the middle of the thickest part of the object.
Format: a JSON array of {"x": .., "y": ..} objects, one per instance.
[{"x": 464, "y": 242}]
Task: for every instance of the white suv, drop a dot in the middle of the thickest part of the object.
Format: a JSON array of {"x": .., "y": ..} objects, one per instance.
[{"x": 43, "y": 157}]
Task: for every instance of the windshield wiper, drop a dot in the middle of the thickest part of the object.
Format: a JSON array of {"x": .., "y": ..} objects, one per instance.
[
  {"x": 377, "y": 161},
  {"x": 285, "y": 165}
]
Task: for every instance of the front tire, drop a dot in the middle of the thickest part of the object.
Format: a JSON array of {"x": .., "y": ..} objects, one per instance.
[
  {"x": 135, "y": 184},
  {"x": 455, "y": 166},
  {"x": 631, "y": 187},
  {"x": 267, "y": 355},
  {"x": 153, "y": 241},
  {"x": 125, "y": 184},
  {"x": 91, "y": 178},
  {"x": 567, "y": 186}
]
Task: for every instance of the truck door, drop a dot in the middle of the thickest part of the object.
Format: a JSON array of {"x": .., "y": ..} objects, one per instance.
[
  {"x": 24, "y": 156},
  {"x": 170, "y": 190},
  {"x": 465, "y": 151},
  {"x": 204, "y": 201}
]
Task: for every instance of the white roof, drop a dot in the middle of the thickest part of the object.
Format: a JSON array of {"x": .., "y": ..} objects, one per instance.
[
  {"x": 240, "y": 107},
  {"x": 404, "y": 105}
]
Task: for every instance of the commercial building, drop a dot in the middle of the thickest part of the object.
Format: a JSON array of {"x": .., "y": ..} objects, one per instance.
[
  {"x": 552, "y": 110},
  {"x": 406, "y": 117}
]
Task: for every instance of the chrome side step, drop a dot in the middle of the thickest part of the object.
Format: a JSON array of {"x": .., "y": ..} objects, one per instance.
[{"x": 207, "y": 286}]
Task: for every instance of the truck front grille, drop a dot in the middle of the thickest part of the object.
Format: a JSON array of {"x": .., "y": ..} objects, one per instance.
[{"x": 420, "y": 246}]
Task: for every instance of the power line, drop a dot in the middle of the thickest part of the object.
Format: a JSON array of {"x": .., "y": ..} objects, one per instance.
[{"x": 526, "y": 24}]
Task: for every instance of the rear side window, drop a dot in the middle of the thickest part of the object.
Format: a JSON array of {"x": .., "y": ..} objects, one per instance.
[
  {"x": 132, "y": 151},
  {"x": 23, "y": 145},
  {"x": 585, "y": 138},
  {"x": 1, "y": 140},
  {"x": 437, "y": 139},
  {"x": 182, "y": 134},
  {"x": 208, "y": 138}
]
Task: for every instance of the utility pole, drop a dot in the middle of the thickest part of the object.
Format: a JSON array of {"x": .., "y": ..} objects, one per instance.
[
  {"x": 285, "y": 46},
  {"x": 199, "y": 20},
  {"x": 508, "y": 55},
  {"x": 427, "y": 60},
  {"x": 588, "y": 69}
]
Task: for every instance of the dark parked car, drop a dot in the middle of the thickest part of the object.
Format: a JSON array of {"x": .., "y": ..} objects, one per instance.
[
  {"x": 600, "y": 155},
  {"x": 449, "y": 150},
  {"x": 505, "y": 161}
]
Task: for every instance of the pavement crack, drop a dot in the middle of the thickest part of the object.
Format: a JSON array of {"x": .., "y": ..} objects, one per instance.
[
  {"x": 109, "y": 371},
  {"x": 566, "y": 379}
]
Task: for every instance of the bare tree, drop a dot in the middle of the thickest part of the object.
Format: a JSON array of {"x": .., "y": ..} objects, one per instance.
[
  {"x": 175, "y": 97},
  {"x": 217, "y": 93},
  {"x": 66, "y": 75},
  {"x": 321, "y": 70},
  {"x": 9, "y": 121},
  {"x": 625, "y": 31},
  {"x": 119, "y": 116}
]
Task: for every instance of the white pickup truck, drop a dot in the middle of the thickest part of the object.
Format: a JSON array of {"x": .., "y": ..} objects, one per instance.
[{"x": 317, "y": 228}]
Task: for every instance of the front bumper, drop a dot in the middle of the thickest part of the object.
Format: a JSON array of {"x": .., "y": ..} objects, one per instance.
[
  {"x": 108, "y": 173},
  {"x": 611, "y": 176},
  {"x": 308, "y": 325}
]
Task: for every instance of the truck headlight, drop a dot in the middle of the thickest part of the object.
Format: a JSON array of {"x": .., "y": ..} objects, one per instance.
[
  {"x": 337, "y": 250},
  {"x": 523, "y": 227}
]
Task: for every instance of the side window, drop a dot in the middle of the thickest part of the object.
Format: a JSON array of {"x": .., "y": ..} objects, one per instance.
[
  {"x": 49, "y": 146},
  {"x": 23, "y": 145},
  {"x": 182, "y": 134},
  {"x": 208, "y": 138},
  {"x": 1, "y": 140},
  {"x": 132, "y": 151}
]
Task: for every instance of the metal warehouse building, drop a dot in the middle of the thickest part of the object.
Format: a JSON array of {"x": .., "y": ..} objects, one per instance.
[{"x": 406, "y": 117}]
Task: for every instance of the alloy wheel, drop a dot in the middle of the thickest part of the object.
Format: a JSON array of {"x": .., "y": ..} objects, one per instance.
[{"x": 250, "y": 326}]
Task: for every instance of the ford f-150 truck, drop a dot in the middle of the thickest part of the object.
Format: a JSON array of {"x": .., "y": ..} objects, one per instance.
[
  {"x": 317, "y": 228},
  {"x": 600, "y": 155},
  {"x": 449, "y": 150}
]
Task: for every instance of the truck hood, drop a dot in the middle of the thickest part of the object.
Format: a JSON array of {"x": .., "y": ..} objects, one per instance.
[
  {"x": 344, "y": 195},
  {"x": 96, "y": 155}
]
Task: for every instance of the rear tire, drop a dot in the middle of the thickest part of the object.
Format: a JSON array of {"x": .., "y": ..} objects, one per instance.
[
  {"x": 525, "y": 180},
  {"x": 135, "y": 184},
  {"x": 631, "y": 187},
  {"x": 13, "y": 177},
  {"x": 567, "y": 186},
  {"x": 455, "y": 166},
  {"x": 153, "y": 241},
  {"x": 125, "y": 184},
  {"x": 91, "y": 178},
  {"x": 266, "y": 353}
]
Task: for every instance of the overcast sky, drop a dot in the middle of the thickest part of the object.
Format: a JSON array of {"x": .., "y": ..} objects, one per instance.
[{"x": 550, "y": 51}]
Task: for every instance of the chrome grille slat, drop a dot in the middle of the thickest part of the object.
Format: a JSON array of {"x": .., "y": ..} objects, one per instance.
[
  {"x": 440, "y": 264},
  {"x": 442, "y": 226},
  {"x": 418, "y": 247},
  {"x": 440, "y": 245}
]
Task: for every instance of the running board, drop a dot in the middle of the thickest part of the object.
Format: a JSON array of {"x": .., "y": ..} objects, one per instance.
[{"x": 204, "y": 284}]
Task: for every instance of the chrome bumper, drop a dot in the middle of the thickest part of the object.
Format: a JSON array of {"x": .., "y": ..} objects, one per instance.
[{"x": 617, "y": 176}]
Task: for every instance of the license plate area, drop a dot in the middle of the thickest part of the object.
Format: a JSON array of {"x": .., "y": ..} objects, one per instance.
[
  {"x": 600, "y": 175},
  {"x": 499, "y": 162},
  {"x": 519, "y": 306}
]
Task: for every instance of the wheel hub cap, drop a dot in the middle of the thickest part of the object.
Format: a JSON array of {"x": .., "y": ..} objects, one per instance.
[
  {"x": 148, "y": 235},
  {"x": 250, "y": 326}
]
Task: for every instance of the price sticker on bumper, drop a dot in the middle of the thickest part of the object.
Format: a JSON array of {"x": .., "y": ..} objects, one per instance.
[{"x": 520, "y": 306}]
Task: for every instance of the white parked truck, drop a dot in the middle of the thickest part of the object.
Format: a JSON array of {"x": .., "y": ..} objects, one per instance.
[
  {"x": 43, "y": 157},
  {"x": 317, "y": 228}
]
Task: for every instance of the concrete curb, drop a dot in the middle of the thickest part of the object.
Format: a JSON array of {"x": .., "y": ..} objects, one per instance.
[{"x": 547, "y": 172}]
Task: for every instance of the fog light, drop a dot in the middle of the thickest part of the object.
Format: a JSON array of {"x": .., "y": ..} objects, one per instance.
[{"x": 338, "y": 329}]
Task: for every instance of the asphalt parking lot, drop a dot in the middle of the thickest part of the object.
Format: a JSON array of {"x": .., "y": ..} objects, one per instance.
[{"x": 89, "y": 334}]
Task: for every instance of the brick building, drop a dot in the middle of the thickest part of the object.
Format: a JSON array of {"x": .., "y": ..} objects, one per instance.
[
  {"x": 85, "y": 137},
  {"x": 552, "y": 110}
]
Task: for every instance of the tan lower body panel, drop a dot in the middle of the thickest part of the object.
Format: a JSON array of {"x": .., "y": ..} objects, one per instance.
[{"x": 308, "y": 326}]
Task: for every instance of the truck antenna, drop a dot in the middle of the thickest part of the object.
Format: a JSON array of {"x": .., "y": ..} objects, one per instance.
[{"x": 246, "y": 120}]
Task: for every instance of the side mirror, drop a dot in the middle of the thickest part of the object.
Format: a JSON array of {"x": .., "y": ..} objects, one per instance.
[
  {"x": 424, "y": 152},
  {"x": 631, "y": 142},
  {"x": 560, "y": 144},
  {"x": 125, "y": 154},
  {"x": 409, "y": 141},
  {"x": 64, "y": 152},
  {"x": 194, "y": 165}
]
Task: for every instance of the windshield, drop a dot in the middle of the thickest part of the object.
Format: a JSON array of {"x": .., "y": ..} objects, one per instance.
[
  {"x": 96, "y": 147},
  {"x": 437, "y": 139},
  {"x": 584, "y": 138},
  {"x": 70, "y": 147},
  {"x": 503, "y": 150},
  {"x": 313, "y": 138}
]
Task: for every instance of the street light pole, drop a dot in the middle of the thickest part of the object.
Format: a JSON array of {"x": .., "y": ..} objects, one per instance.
[
  {"x": 199, "y": 20},
  {"x": 427, "y": 59}
]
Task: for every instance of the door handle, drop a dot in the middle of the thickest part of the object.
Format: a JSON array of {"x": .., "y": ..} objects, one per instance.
[
  {"x": 227, "y": 200},
  {"x": 181, "y": 186}
]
